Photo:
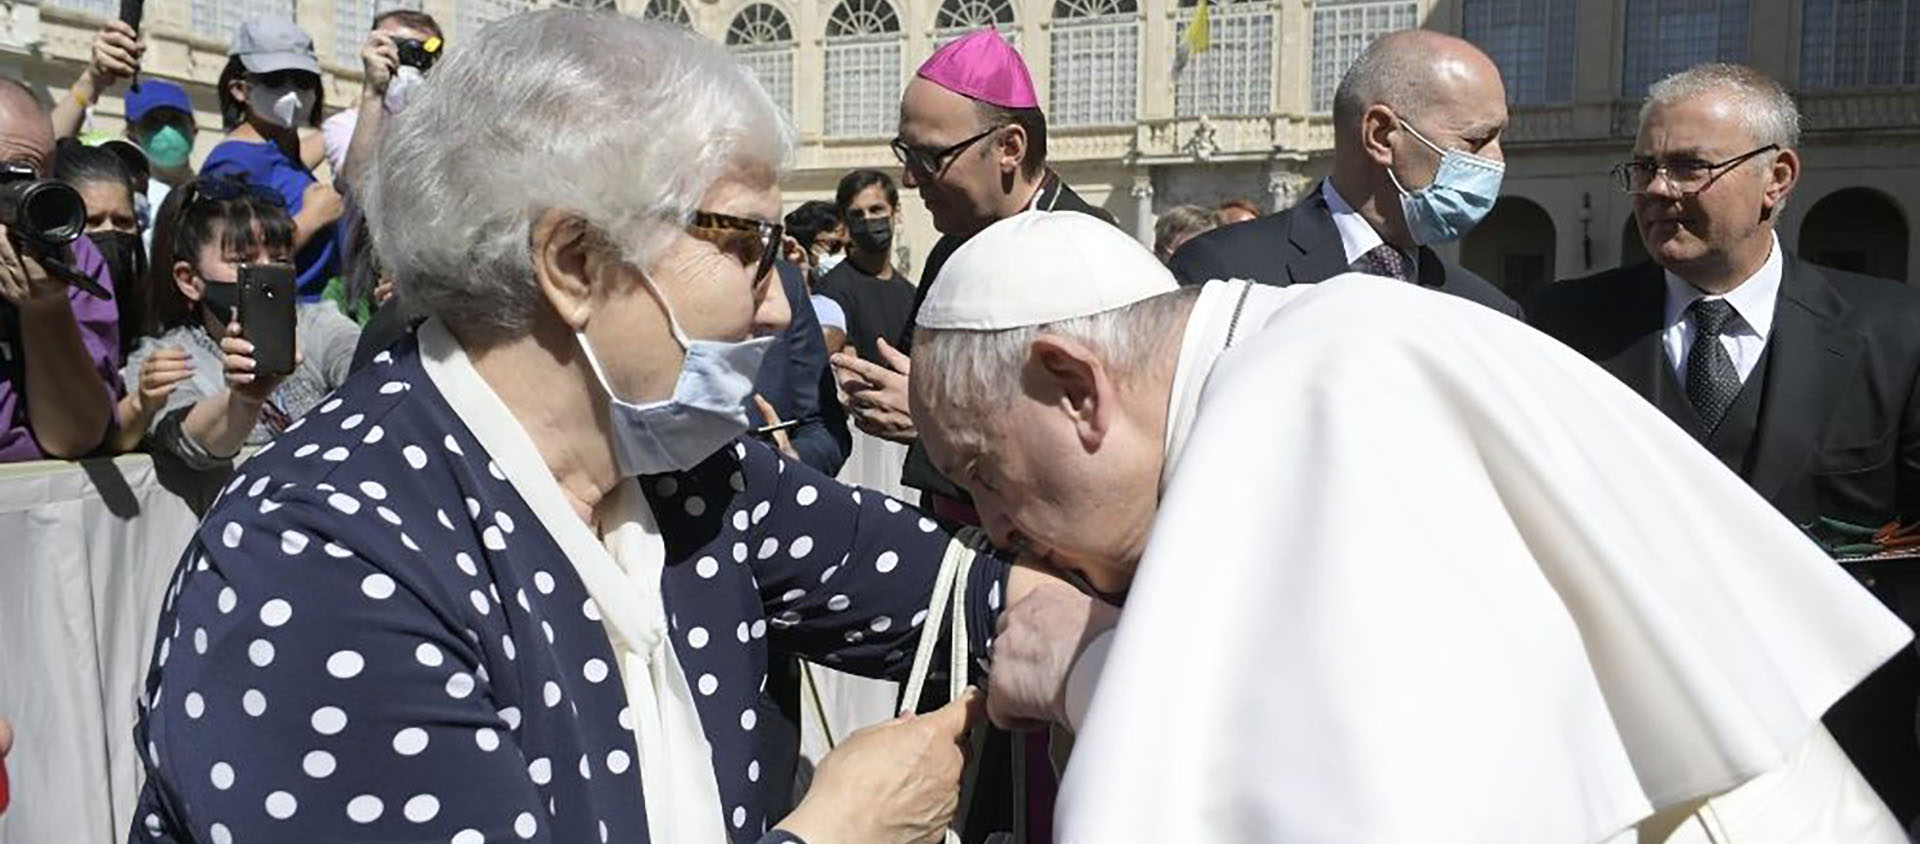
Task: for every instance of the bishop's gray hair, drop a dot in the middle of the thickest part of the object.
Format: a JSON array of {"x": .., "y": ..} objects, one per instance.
[
  {"x": 625, "y": 122},
  {"x": 974, "y": 372},
  {"x": 1763, "y": 105}
]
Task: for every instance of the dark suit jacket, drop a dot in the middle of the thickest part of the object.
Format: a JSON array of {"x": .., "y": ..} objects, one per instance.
[
  {"x": 1839, "y": 425},
  {"x": 1301, "y": 245},
  {"x": 790, "y": 378}
]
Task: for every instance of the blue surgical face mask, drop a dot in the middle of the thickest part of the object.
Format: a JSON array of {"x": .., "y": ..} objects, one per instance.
[
  {"x": 1463, "y": 191},
  {"x": 707, "y": 410}
]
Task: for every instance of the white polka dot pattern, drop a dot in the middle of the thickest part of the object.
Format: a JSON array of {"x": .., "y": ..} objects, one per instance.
[{"x": 364, "y": 593}]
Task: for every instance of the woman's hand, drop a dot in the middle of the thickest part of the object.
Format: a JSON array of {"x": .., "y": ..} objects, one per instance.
[
  {"x": 891, "y": 783},
  {"x": 117, "y": 50},
  {"x": 159, "y": 375},
  {"x": 240, "y": 367},
  {"x": 781, "y": 442}
]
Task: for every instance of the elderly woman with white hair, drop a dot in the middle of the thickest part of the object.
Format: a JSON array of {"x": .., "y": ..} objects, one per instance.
[{"x": 445, "y": 607}]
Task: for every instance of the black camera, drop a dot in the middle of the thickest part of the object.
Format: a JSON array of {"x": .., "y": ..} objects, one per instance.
[
  {"x": 418, "y": 54},
  {"x": 42, "y": 217},
  {"x": 40, "y": 211}
]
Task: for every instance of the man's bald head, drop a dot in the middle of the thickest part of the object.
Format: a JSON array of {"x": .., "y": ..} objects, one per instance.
[
  {"x": 1413, "y": 72},
  {"x": 26, "y": 132},
  {"x": 1410, "y": 99}
]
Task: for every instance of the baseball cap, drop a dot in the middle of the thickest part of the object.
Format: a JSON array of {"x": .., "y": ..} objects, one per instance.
[
  {"x": 267, "y": 44},
  {"x": 156, "y": 93}
]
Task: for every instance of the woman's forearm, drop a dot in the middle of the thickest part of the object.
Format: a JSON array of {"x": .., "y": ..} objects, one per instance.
[{"x": 220, "y": 423}]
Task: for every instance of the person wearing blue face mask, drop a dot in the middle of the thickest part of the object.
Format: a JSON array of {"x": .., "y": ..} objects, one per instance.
[
  {"x": 534, "y": 565},
  {"x": 1417, "y": 163}
]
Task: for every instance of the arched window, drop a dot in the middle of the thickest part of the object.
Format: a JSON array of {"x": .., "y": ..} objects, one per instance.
[
  {"x": 1668, "y": 36},
  {"x": 959, "y": 17},
  {"x": 1856, "y": 43},
  {"x": 1234, "y": 74},
  {"x": 863, "y": 69},
  {"x": 664, "y": 11},
  {"x": 762, "y": 38},
  {"x": 1096, "y": 62},
  {"x": 1531, "y": 41},
  {"x": 1343, "y": 29},
  {"x": 471, "y": 15}
]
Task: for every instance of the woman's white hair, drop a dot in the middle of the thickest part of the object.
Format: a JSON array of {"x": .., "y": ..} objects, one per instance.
[
  {"x": 978, "y": 372},
  {"x": 625, "y": 122},
  {"x": 1765, "y": 107}
]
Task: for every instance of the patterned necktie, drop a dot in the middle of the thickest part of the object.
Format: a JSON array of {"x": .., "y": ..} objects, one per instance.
[
  {"x": 1384, "y": 260},
  {"x": 1712, "y": 381}
]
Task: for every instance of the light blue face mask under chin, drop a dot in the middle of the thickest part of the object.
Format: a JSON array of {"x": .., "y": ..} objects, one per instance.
[
  {"x": 707, "y": 410},
  {"x": 1462, "y": 193}
]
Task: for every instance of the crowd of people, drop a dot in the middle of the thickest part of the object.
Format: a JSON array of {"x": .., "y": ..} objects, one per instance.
[{"x": 1304, "y": 531}]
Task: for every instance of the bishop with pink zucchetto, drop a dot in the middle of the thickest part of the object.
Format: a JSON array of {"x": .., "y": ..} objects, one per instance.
[{"x": 982, "y": 66}]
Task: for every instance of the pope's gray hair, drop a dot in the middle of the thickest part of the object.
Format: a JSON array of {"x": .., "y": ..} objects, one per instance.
[
  {"x": 1764, "y": 106},
  {"x": 624, "y": 122},
  {"x": 971, "y": 372}
]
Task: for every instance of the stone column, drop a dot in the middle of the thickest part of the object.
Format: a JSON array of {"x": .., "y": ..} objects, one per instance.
[{"x": 1143, "y": 206}]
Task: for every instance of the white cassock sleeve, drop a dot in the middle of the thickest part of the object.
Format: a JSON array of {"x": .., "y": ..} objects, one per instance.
[{"x": 1422, "y": 574}]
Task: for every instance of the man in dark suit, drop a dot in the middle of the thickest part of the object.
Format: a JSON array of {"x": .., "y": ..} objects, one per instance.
[
  {"x": 790, "y": 379},
  {"x": 1801, "y": 379},
  {"x": 1417, "y": 108}
]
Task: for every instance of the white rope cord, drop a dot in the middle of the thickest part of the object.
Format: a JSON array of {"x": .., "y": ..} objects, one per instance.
[{"x": 949, "y": 587}]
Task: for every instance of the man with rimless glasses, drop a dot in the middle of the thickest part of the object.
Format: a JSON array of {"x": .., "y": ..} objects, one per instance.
[{"x": 1799, "y": 378}]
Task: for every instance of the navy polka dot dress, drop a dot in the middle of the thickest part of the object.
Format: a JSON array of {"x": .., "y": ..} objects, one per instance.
[{"x": 372, "y": 638}]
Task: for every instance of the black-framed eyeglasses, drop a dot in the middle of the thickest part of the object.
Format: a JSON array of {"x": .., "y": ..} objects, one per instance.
[
  {"x": 1689, "y": 176},
  {"x": 755, "y": 242},
  {"x": 932, "y": 162}
]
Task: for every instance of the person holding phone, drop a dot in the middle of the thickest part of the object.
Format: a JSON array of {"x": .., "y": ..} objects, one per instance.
[
  {"x": 269, "y": 91},
  {"x": 210, "y": 395}
]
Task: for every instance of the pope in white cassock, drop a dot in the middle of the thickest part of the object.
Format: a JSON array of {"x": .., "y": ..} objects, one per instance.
[{"x": 1396, "y": 568}]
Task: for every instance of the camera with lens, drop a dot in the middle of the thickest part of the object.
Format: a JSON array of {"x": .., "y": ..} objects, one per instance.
[
  {"x": 42, "y": 217},
  {"x": 42, "y": 212},
  {"x": 418, "y": 54}
]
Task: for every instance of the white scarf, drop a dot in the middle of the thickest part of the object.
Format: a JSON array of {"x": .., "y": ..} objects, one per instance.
[{"x": 622, "y": 574}]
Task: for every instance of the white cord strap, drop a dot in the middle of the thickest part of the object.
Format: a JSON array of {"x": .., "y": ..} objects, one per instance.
[{"x": 949, "y": 587}]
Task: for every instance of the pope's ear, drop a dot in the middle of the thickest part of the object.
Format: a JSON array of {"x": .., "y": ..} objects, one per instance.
[{"x": 1074, "y": 381}]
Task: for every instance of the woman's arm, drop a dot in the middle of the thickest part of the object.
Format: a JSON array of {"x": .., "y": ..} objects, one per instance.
[
  {"x": 844, "y": 573},
  {"x": 160, "y": 374},
  {"x": 320, "y": 208},
  {"x": 219, "y": 424},
  {"x": 116, "y": 55}
]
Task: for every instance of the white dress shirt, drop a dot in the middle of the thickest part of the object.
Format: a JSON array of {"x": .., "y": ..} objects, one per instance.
[
  {"x": 1745, "y": 336},
  {"x": 1357, "y": 236}
]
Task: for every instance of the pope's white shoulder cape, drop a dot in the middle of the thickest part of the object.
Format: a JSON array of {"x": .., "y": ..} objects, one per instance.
[{"x": 1422, "y": 574}]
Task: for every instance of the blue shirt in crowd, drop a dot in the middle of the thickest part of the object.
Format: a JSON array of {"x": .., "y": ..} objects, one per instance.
[{"x": 264, "y": 164}]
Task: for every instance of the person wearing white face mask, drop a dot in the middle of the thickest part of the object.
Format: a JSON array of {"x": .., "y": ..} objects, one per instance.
[
  {"x": 522, "y": 577},
  {"x": 269, "y": 91}
]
